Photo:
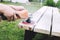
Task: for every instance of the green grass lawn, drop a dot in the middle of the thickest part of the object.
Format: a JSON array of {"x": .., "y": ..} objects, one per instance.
[{"x": 10, "y": 30}]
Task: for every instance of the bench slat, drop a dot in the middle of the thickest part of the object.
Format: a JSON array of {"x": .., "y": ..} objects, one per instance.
[
  {"x": 56, "y": 22},
  {"x": 44, "y": 24},
  {"x": 37, "y": 15}
]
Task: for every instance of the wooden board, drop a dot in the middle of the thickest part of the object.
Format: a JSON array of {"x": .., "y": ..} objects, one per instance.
[
  {"x": 43, "y": 26},
  {"x": 38, "y": 13},
  {"x": 56, "y": 22}
]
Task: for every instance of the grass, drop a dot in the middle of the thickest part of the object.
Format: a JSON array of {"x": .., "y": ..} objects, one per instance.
[{"x": 10, "y": 30}]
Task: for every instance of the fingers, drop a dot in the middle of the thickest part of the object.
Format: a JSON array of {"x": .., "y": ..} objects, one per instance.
[
  {"x": 22, "y": 14},
  {"x": 17, "y": 15},
  {"x": 12, "y": 13},
  {"x": 9, "y": 18},
  {"x": 17, "y": 8},
  {"x": 3, "y": 17}
]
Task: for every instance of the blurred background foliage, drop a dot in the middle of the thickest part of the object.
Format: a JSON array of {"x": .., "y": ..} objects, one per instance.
[
  {"x": 50, "y": 3},
  {"x": 44, "y": 2}
]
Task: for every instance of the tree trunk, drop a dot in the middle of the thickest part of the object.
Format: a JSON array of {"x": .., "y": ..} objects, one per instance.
[
  {"x": 30, "y": 0},
  {"x": 1, "y": 0},
  {"x": 10, "y": 0}
]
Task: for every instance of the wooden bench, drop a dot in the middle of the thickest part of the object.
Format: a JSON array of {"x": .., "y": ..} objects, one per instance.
[{"x": 46, "y": 20}]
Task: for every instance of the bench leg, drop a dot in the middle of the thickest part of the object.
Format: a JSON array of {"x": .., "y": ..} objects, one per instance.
[{"x": 29, "y": 35}]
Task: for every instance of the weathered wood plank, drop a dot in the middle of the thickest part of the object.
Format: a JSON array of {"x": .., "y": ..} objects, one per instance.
[
  {"x": 34, "y": 18},
  {"x": 38, "y": 13},
  {"x": 56, "y": 22},
  {"x": 43, "y": 26}
]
